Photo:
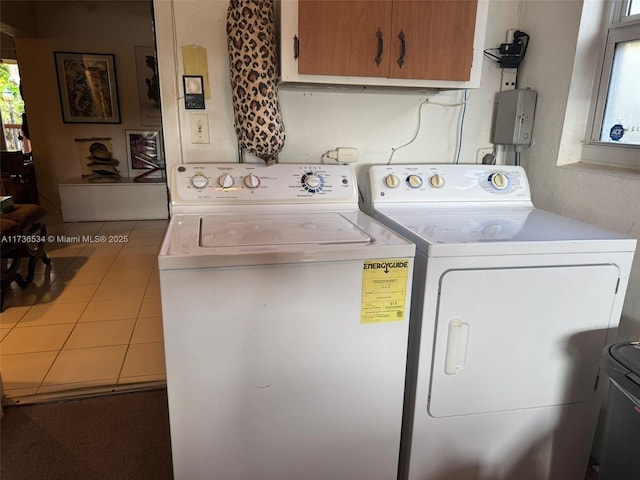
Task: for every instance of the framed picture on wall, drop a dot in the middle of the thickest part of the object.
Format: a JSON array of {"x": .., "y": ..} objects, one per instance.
[
  {"x": 144, "y": 154},
  {"x": 88, "y": 88}
]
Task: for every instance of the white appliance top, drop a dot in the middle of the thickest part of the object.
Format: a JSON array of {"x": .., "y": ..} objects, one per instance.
[
  {"x": 246, "y": 214},
  {"x": 478, "y": 210}
]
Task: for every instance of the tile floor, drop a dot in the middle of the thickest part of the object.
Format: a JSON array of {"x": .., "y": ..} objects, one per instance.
[{"x": 92, "y": 319}]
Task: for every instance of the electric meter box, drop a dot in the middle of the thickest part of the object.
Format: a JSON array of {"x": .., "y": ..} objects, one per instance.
[{"x": 515, "y": 110}]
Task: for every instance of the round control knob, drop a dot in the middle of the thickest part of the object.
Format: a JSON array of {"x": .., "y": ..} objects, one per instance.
[
  {"x": 226, "y": 181},
  {"x": 436, "y": 181},
  {"x": 252, "y": 181},
  {"x": 199, "y": 180},
  {"x": 499, "y": 180},
  {"x": 313, "y": 181},
  {"x": 414, "y": 181},
  {"x": 391, "y": 181}
]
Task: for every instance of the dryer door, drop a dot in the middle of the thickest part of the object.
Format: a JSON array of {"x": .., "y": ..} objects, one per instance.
[{"x": 513, "y": 338}]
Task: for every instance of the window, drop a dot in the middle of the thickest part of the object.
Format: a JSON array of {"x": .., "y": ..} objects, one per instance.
[{"x": 614, "y": 136}]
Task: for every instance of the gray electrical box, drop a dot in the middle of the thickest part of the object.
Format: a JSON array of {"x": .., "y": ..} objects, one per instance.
[{"x": 514, "y": 117}]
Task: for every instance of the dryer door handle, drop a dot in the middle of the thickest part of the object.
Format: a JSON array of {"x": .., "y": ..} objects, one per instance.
[{"x": 457, "y": 341}]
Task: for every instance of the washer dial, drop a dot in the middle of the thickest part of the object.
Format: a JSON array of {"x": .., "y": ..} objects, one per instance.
[
  {"x": 199, "y": 181},
  {"x": 226, "y": 181},
  {"x": 252, "y": 181},
  {"x": 312, "y": 182}
]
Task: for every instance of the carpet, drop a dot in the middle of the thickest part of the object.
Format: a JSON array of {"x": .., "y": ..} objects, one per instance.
[{"x": 112, "y": 437}]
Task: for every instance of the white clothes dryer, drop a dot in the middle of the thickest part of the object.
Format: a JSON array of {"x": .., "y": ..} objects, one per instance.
[
  {"x": 511, "y": 309},
  {"x": 285, "y": 313}
]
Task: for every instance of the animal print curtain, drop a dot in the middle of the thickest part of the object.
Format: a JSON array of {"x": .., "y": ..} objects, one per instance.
[{"x": 253, "y": 68}]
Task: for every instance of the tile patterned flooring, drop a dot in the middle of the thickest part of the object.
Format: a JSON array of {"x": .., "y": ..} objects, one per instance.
[{"x": 92, "y": 319}]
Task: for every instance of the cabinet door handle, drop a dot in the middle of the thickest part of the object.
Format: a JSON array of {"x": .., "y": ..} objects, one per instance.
[
  {"x": 403, "y": 48},
  {"x": 380, "y": 47}
]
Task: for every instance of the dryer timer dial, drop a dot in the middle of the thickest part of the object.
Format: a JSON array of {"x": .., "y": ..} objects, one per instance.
[{"x": 499, "y": 180}]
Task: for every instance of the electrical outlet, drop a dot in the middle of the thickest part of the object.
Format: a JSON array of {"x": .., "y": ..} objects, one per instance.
[
  {"x": 199, "y": 128},
  {"x": 481, "y": 152}
]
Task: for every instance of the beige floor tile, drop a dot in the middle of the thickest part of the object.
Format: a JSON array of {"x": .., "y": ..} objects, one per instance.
[
  {"x": 35, "y": 339},
  {"x": 102, "y": 250},
  {"x": 100, "y": 334},
  {"x": 121, "y": 309},
  {"x": 3, "y": 333},
  {"x": 144, "y": 242},
  {"x": 52, "y": 314},
  {"x": 148, "y": 330},
  {"x": 84, "y": 276},
  {"x": 82, "y": 228},
  {"x": 58, "y": 264},
  {"x": 137, "y": 261},
  {"x": 126, "y": 275},
  {"x": 140, "y": 250},
  {"x": 97, "y": 329},
  {"x": 114, "y": 228},
  {"x": 20, "y": 298},
  {"x": 119, "y": 291},
  {"x": 59, "y": 387},
  {"x": 10, "y": 316},
  {"x": 63, "y": 251},
  {"x": 20, "y": 392},
  {"x": 86, "y": 365},
  {"x": 144, "y": 359},
  {"x": 65, "y": 293},
  {"x": 158, "y": 377},
  {"x": 150, "y": 228},
  {"x": 151, "y": 307},
  {"x": 153, "y": 288},
  {"x": 25, "y": 370}
]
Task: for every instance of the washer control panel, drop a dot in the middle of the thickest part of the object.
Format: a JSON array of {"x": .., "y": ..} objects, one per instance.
[
  {"x": 222, "y": 183},
  {"x": 448, "y": 183}
]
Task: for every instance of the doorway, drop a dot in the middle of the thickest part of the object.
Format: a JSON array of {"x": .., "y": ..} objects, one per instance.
[{"x": 101, "y": 299}]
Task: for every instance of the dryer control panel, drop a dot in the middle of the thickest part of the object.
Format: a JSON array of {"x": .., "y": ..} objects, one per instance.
[
  {"x": 241, "y": 183},
  {"x": 448, "y": 183}
]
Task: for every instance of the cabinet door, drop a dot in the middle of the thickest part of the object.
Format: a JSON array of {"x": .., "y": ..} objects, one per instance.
[
  {"x": 341, "y": 38},
  {"x": 438, "y": 39}
]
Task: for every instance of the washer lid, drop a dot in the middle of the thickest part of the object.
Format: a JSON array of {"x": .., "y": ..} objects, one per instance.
[{"x": 279, "y": 229}]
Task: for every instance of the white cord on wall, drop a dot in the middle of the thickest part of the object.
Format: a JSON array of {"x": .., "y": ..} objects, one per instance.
[{"x": 463, "y": 104}]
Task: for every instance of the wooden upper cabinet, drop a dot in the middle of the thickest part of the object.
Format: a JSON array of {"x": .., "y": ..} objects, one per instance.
[
  {"x": 363, "y": 38},
  {"x": 344, "y": 37},
  {"x": 437, "y": 36}
]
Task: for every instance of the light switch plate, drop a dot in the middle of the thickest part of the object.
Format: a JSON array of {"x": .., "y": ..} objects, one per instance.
[{"x": 199, "y": 128}]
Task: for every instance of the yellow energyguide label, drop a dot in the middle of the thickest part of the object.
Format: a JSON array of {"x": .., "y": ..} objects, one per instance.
[{"x": 384, "y": 290}]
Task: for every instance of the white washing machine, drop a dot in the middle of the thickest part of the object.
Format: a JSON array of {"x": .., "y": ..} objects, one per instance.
[
  {"x": 286, "y": 315},
  {"x": 511, "y": 309}
]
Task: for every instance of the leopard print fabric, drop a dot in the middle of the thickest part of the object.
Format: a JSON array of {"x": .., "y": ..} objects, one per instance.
[{"x": 253, "y": 67}]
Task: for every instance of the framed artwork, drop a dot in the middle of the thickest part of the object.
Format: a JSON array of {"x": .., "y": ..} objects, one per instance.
[
  {"x": 144, "y": 154},
  {"x": 87, "y": 86},
  {"x": 148, "y": 86}
]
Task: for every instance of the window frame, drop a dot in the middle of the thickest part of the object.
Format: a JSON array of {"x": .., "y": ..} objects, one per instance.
[{"x": 621, "y": 27}]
